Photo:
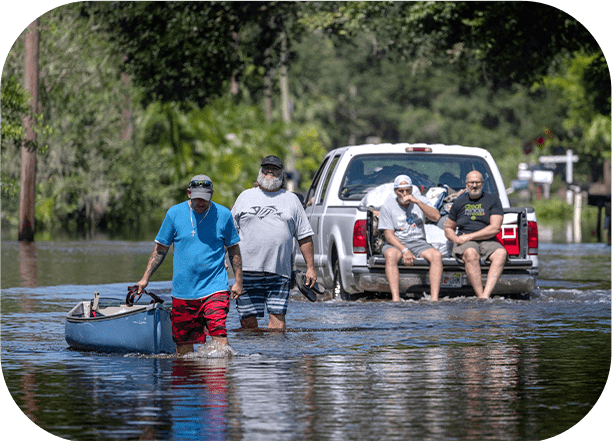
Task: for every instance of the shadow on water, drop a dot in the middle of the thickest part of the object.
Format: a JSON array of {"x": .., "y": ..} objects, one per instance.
[{"x": 460, "y": 369}]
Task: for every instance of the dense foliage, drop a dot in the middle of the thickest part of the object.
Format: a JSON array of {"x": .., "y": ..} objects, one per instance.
[
  {"x": 140, "y": 96},
  {"x": 14, "y": 105}
]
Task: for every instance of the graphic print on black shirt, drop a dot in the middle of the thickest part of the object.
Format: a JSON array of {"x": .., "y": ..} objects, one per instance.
[
  {"x": 474, "y": 210},
  {"x": 473, "y": 215}
]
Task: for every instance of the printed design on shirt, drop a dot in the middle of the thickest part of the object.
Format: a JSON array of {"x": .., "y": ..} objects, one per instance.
[
  {"x": 407, "y": 223},
  {"x": 474, "y": 210},
  {"x": 260, "y": 212}
]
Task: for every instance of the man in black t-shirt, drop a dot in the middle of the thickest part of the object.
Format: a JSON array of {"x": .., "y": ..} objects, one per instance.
[{"x": 478, "y": 217}]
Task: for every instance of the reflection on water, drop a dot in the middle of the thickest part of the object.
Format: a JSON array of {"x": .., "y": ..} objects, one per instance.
[
  {"x": 460, "y": 369},
  {"x": 79, "y": 262},
  {"x": 27, "y": 264},
  {"x": 201, "y": 386}
]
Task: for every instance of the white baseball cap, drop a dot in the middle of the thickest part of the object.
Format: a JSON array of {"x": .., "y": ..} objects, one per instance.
[{"x": 402, "y": 181}]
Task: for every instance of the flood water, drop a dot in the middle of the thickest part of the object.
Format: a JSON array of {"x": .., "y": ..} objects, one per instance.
[{"x": 460, "y": 369}]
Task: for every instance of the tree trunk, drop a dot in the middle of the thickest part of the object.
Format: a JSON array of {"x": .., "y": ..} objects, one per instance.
[
  {"x": 284, "y": 80},
  {"x": 28, "y": 146},
  {"x": 286, "y": 109},
  {"x": 268, "y": 93},
  {"x": 128, "y": 126}
]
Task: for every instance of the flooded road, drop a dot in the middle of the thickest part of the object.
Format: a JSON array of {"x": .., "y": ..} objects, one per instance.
[{"x": 460, "y": 369}]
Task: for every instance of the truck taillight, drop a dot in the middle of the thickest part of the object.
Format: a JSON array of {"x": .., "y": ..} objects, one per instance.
[
  {"x": 532, "y": 237},
  {"x": 359, "y": 237},
  {"x": 509, "y": 239}
]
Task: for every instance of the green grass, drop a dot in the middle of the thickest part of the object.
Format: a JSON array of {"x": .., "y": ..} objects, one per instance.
[{"x": 554, "y": 209}]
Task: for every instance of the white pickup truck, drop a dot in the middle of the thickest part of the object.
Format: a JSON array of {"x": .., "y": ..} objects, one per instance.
[{"x": 347, "y": 244}]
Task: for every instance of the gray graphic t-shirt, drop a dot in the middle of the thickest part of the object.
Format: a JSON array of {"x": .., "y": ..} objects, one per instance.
[
  {"x": 408, "y": 223},
  {"x": 267, "y": 223}
]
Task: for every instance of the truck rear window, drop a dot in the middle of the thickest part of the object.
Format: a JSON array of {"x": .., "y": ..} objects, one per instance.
[{"x": 366, "y": 172}]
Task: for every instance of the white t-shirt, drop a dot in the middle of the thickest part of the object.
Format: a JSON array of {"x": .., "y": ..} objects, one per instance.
[
  {"x": 267, "y": 223},
  {"x": 408, "y": 223}
]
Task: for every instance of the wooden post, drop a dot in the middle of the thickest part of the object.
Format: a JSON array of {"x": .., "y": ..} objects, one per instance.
[
  {"x": 577, "y": 216},
  {"x": 28, "y": 147}
]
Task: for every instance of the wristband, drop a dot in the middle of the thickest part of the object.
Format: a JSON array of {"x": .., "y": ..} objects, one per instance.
[{"x": 404, "y": 250}]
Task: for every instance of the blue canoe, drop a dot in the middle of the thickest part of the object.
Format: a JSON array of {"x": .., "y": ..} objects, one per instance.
[{"x": 140, "y": 328}]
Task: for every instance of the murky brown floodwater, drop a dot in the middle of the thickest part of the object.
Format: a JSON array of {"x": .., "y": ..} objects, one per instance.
[{"x": 460, "y": 369}]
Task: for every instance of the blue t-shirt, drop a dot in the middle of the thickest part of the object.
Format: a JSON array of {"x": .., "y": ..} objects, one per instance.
[{"x": 199, "y": 248}]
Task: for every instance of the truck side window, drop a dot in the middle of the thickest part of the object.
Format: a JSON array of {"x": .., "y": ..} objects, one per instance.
[
  {"x": 332, "y": 166},
  {"x": 309, "y": 199}
]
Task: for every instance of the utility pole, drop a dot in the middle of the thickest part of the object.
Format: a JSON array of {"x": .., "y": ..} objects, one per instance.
[
  {"x": 286, "y": 108},
  {"x": 28, "y": 146}
]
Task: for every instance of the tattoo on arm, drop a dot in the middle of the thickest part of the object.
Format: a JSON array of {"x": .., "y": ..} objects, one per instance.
[
  {"x": 235, "y": 258},
  {"x": 156, "y": 259}
]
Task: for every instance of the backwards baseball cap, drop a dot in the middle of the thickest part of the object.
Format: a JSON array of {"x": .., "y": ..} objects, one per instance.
[
  {"x": 402, "y": 181},
  {"x": 201, "y": 187},
  {"x": 272, "y": 160}
]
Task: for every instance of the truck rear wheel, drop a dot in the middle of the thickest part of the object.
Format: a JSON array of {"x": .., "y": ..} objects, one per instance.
[{"x": 338, "y": 292}]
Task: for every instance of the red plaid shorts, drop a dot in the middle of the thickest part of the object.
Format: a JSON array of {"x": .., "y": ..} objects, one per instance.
[{"x": 192, "y": 320}]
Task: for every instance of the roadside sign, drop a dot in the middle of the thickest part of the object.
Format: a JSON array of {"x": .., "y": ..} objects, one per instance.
[
  {"x": 568, "y": 159},
  {"x": 557, "y": 158},
  {"x": 544, "y": 177}
]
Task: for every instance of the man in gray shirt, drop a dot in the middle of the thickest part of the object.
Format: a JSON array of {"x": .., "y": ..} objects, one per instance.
[
  {"x": 268, "y": 218},
  {"x": 402, "y": 220}
]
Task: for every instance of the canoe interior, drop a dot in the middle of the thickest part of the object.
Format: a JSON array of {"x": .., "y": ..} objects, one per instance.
[{"x": 116, "y": 327}]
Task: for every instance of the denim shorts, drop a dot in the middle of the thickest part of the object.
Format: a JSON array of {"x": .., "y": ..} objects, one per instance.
[{"x": 263, "y": 290}]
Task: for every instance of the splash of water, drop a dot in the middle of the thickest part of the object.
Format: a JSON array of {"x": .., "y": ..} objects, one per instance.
[{"x": 212, "y": 349}]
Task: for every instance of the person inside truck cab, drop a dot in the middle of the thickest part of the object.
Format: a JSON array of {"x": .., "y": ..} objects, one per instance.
[
  {"x": 473, "y": 221},
  {"x": 402, "y": 220}
]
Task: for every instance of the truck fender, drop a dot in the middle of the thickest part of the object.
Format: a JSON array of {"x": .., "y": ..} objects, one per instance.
[{"x": 337, "y": 251}]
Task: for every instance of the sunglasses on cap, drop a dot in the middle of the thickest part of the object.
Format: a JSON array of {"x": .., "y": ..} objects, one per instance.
[{"x": 200, "y": 184}]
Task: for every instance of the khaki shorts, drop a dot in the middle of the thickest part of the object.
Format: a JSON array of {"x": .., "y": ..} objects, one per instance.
[{"x": 485, "y": 248}]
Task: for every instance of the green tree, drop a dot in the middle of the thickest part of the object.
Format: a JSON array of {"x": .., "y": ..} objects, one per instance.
[
  {"x": 176, "y": 51},
  {"x": 227, "y": 142},
  {"x": 587, "y": 124},
  {"x": 82, "y": 96},
  {"x": 509, "y": 42},
  {"x": 469, "y": 68},
  {"x": 439, "y": 72},
  {"x": 14, "y": 103},
  {"x": 189, "y": 52}
]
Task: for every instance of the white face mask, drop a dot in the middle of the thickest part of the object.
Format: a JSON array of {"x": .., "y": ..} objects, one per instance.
[{"x": 269, "y": 184}]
